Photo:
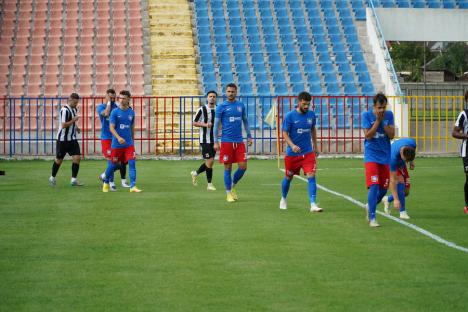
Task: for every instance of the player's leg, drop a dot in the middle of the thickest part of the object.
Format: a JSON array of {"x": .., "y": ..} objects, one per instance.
[
  {"x": 132, "y": 173},
  {"x": 209, "y": 174},
  {"x": 60, "y": 153},
  {"x": 240, "y": 157},
  {"x": 372, "y": 182},
  {"x": 75, "y": 153},
  {"x": 289, "y": 172},
  {"x": 226, "y": 154},
  {"x": 106, "y": 152},
  {"x": 112, "y": 163},
  {"x": 309, "y": 166},
  {"x": 465, "y": 166},
  {"x": 123, "y": 174}
]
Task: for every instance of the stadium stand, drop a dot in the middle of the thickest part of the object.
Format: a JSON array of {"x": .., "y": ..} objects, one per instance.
[{"x": 51, "y": 48}]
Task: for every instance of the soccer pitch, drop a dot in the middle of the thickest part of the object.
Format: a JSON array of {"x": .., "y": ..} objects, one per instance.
[{"x": 177, "y": 247}]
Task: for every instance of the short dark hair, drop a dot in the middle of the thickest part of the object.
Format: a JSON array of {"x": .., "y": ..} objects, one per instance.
[
  {"x": 126, "y": 93},
  {"x": 304, "y": 95},
  {"x": 231, "y": 85},
  {"x": 211, "y": 91},
  {"x": 111, "y": 91},
  {"x": 74, "y": 96},
  {"x": 380, "y": 98},
  {"x": 409, "y": 152}
]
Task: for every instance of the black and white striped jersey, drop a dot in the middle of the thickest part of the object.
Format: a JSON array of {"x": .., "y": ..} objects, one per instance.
[
  {"x": 205, "y": 114},
  {"x": 67, "y": 134},
  {"x": 462, "y": 123}
]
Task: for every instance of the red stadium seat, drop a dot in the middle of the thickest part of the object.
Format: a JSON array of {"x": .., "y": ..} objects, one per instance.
[
  {"x": 69, "y": 69},
  {"x": 85, "y": 79},
  {"x": 52, "y": 69},
  {"x": 68, "y": 78},
  {"x": 85, "y": 69},
  {"x": 69, "y": 59},
  {"x": 86, "y": 59},
  {"x": 53, "y": 60},
  {"x": 102, "y": 59},
  {"x": 68, "y": 89},
  {"x": 70, "y": 50},
  {"x": 86, "y": 42},
  {"x": 19, "y": 70},
  {"x": 17, "y": 90},
  {"x": 34, "y": 79},
  {"x": 120, "y": 59},
  {"x": 119, "y": 79},
  {"x": 34, "y": 90},
  {"x": 35, "y": 69},
  {"x": 51, "y": 90},
  {"x": 137, "y": 90},
  {"x": 85, "y": 90}
]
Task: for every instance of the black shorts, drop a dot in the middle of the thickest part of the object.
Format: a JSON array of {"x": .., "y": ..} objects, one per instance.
[
  {"x": 208, "y": 150},
  {"x": 70, "y": 147},
  {"x": 465, "y": 164}
]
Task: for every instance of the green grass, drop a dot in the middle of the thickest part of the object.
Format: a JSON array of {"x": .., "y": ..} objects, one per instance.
[{"x": 176, "y": 247}]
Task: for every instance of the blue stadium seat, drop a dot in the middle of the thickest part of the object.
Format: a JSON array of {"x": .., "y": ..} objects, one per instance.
[
  {"x": 305, "y": 47},
  {"x": 315, "y": 89},
  {"x": 276, "y": 68},
  {"x": 226, "y": 78},
  {"x": 238, "y": 48},
  {"x": 403, "y": 3},
  {"x": 350, "y": 90},
  {"x": 288, "y": 47},
  {"x": 333, "y": 89},
  {"x": 364, "y": 78},
  {"x": 308, "y": 58},
  {"x": 271, "y": 47},
  {"x": 344, "y": 68},
  {"x": 323, "y": 122},
  {"x": 240, "y": 58},
  {"x": 290, "y": 58},
  {"x": 261, "y": 77},
  {"x": 223, "y": 58},
  {"x": 330, "y": 78},
  {"x": 225, "y": 68},
  {"x": 259, "y": 68},
  {"x": 207, "y": 68},
  {"x": 347, "y": 78},
  {"x": 324, "y": 58},
  {"x": 245, "y": 88},
  {"x": 274, "y": 58},
  {"x": 295, "y": 78},
  {"x": 338, "y": 47},
  {"x": 309, "y": 67},
  {"x": 360, "y": 68},
  {"x": 294, "y": 68},
  {"x": 297, "y": 88},
  {"x": 281, "y": 89},
  {"x": 257, "y": 58},
  {"x": 357, "y": 57},
  {"x": 327, "y": 68},
  {"x": 367, "y": 89},
  {"x": 242, "y": 77},
  {"x": 278, "y": 78},
  {"x": 334, "y": 30},
  {"x": 341, "y": 58},
  {"x": 204, "y": 48},
  {"x": 209, "y": 78},
  {"x": 242, "y": 68},
  {"x": 206, "y": 58},
  {"x": 263, "y": 89}
]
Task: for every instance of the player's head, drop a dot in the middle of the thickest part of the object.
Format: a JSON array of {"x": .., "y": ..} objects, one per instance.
[
  {"x": 380, "y": 102},
  {"x": 408, "y": 153},
  {"x": 73, "y": 100},
  {"x": 110, "y": 95},
  {"x": 124, "y": 98},
  {"x": 303, "y": 101},
  {"x": 231, "y": 91},
  {"x": 211, "y": 97}
]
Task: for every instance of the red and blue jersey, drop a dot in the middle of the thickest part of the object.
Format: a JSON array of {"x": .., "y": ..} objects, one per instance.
[
  {"x": 105, "y": 132},
  {"x": 377, "y": 149},
  {"x": 231, "y": 115},
  {"x": 299, "y": 128},
  {"x": 395, "y": 157},
  {"x": 123, "y": 121}
]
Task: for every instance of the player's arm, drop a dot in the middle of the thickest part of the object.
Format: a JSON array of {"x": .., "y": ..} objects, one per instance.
[
  {"x": 215, "y": 133},
  {"x": 287, "y": 138},
  {"x": 245, "y": 121},
  {"x": 106, "y": 112},
  {"x": 457, "y": 133},
  {"x": 66, "y": 124},
  {"x": 198, "y": 123},
  {"x": 393, "y": 189},
  {"x": 371, "y": 130},
  {"x": 314, "y": 141},
  {"x": 389, "y": 125},
  {"x": 114, "y": 133}
]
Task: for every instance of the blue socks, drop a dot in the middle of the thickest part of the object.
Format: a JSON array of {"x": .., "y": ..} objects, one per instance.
[
  {"x": 372, "y": 197},
  {"x": 238, "y": 175},
  {"x": 401, "y": 195},
  {"x": 132, "y": 172},
  {"x": 312, "y": 188},
  {"x": 285, "y": 187},
  {"x": 227, "y": 180},
  {"x": 382, "y": 193},
  {"x": 110, "y": 171}
]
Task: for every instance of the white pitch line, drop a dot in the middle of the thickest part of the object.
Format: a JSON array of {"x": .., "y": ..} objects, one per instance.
[{"x": 410, "y": 225}]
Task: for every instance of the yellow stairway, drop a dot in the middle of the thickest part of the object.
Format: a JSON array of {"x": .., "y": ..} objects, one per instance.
[
  {"x": 174, "y": 71},
  {"x": 173, "y": 54}
]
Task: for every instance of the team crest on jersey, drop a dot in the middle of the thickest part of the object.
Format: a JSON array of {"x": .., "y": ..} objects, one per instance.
[
  {"x": 309, "y": 121},
  {"x": 225, "y": 158},
  {"x": 130, "y": 118},
  {"x": 239, "y": 109}
]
